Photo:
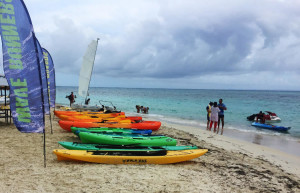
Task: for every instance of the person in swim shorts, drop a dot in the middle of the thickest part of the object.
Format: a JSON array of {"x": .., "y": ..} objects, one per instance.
[{"x": 222, "y": 108}]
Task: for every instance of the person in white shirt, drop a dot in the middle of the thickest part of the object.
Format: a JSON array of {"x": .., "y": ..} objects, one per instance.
[{"x": 214, "y": 116}]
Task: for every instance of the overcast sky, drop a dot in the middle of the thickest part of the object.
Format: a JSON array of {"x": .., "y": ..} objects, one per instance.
[{"x": 233, "y": 44}]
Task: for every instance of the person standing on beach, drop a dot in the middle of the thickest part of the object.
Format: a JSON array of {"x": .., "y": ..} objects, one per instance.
[
  {"x": 214, "y": 116},
  {"x": 146, "y": 110},
  {"x": 208, "y": 109},
  {"x": 71, "y": 97},
  {"x": 138, "y": 108},
  {"x": 222, "y": 108}
]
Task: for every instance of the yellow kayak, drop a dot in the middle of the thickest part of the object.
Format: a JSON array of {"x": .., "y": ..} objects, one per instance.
[{"x": 118, "y": 158}]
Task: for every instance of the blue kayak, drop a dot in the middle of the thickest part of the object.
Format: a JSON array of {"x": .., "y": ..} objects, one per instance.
[{"x": 271, "y": 127}]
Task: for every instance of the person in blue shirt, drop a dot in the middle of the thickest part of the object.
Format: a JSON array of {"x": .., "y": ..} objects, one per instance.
[{"x": 222, "y": 108}]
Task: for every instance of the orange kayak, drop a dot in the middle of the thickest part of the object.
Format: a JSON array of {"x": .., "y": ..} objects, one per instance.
[
  {"x": 101, "y": 114},
  {"x": 96, "y": 118},
  {"x": 151, "y": 125},
  {"x": 100, "y": 120}
]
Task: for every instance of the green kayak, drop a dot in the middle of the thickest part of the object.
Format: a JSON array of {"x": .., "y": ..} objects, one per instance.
[
  {"x": 120, "y": 131},
  {"x": 96, "y": 138},
  {"x": 76, "y": 131},
  {"x": 99, "y": 147}
]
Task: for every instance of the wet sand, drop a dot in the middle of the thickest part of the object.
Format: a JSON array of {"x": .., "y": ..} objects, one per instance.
[
  {"x": 289, "y": 145},
  {"x": 229, "y": 166}
]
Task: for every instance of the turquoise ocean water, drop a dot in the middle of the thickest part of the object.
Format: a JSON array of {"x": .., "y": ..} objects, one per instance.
[{"x": 188, "y": 106}]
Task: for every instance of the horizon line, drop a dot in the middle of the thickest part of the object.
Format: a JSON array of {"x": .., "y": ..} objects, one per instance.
[{"x": 232, "y": 89}]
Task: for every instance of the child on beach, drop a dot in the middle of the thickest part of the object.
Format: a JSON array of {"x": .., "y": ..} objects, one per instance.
[
  {"x": 214, "y": 116},
  {"x": 208, "y": 109}
]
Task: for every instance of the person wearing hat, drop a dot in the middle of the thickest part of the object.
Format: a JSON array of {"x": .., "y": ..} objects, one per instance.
[{"x": 208, "y": 109}]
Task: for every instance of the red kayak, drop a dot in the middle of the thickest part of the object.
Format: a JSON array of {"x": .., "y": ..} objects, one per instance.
[{"x": 149, "y": 125}]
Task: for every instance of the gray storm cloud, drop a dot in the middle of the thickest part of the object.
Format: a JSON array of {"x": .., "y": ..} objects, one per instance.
[
  {"x": 177, "y": 39},
  {"x": 231, "y": 42}
]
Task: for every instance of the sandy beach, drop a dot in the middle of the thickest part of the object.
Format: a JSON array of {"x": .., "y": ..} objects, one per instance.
[{"x": 229, "y": 166}]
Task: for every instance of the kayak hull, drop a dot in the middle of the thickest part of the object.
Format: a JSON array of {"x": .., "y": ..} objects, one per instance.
[
  {"x": 86, "y": 146},
  {"x": 101, "y": 114},
  {"x": 89, "y": 156},
  {"x": 148, "y": 125},
  {"x": 97, "y": 118},
  {"x": 76, "y": 131},
  {"x": 96, "y": 138}
]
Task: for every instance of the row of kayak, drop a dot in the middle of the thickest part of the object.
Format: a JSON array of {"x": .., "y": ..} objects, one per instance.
[
  {"x": 112, "y": 141},
  {"x": 96, "y": 119}
]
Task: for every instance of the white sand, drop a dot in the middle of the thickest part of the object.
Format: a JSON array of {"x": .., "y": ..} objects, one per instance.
[{"x": 229, "y": 166}]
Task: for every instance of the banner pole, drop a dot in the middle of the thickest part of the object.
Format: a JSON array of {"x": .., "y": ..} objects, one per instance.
[
  {"x": 44, "y": 148},
  {"x": 51, "y": 121}
]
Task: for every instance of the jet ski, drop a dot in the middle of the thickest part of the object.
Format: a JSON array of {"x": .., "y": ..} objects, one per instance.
[{"x": 269, "y": 117}]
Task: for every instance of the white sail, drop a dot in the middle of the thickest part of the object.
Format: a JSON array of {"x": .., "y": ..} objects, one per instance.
[{"x": 87, "y": 68}]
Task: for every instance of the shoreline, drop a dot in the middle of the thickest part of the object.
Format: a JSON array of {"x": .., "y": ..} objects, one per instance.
[
  {"x": 288, "y": 162},
  {"x": 227, "y": 167},
  {"x": 282, "y": 143}
]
